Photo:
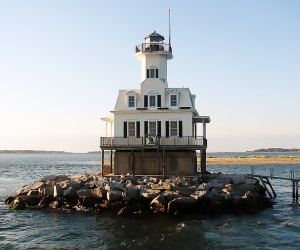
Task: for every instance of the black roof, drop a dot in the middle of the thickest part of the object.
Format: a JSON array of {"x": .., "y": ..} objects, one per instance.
[{"x": 155, "y": 34}]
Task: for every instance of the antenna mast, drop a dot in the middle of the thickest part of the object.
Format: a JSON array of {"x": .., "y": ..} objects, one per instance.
[{"x": 169, "y": 27}]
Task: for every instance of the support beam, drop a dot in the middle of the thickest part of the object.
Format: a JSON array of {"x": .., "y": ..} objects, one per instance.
[
  {"x": 164, "y": 164},
  {"x": 102, "y": 162},
  {"x": 203, "y": 161},
  {"x": 132, "y": 162},
  {"x": 111, "y": 161}
]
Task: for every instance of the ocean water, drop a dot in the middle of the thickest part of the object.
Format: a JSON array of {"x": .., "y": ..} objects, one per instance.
[{"x": 273, "y": 228}]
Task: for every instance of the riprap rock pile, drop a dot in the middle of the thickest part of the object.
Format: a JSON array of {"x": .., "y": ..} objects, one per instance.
[{"x": 210, "y": 193}]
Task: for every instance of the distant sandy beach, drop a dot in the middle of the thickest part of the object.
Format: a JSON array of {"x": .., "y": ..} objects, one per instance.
[{"x": 252, "y": 160}]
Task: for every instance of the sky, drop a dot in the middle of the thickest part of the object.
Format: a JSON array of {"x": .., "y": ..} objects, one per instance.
[{"x": 63, "y": 62}]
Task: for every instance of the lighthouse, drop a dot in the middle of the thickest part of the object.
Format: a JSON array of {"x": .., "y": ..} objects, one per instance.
[{"x": 155, "y": 126}]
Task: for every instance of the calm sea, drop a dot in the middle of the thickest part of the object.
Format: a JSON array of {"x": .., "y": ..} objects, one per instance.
[{"x": 274, "y": 228}]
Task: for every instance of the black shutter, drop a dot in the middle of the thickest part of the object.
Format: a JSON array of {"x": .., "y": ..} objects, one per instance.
[
  {"x": 125, "y": 129},
  {"x": 145, "y": 101},
  {"x": 159, "y": 101},
  {"x": 138, "y": 133},
  {"x": 147, "y": 73},
  {"x": 180, "y": 128},
  {"x": 145, "y": 127},
  {"x": 156, "y": 73},
  {"x": 167, "y": 128},
  {"x": 159, "y": 128}
]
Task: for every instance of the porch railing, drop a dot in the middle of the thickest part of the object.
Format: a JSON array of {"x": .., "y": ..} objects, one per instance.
[{"x": 154, "y": 141}]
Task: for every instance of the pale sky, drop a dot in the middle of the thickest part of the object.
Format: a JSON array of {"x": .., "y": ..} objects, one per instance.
[{"x": 63, "y": 62}]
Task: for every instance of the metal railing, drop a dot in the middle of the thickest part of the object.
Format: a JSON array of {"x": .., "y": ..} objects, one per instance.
[
  {"x": 150, "y": 47},
  {"x": 155, "y": 141}
]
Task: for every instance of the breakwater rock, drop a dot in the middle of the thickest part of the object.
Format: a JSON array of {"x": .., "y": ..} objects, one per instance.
[{"x": 206, "y": 194}]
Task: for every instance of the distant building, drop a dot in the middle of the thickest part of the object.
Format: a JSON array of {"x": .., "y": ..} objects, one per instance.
[{"x": 155, "y": 130}]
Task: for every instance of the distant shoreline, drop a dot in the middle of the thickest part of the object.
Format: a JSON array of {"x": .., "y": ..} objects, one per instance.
[
  {"x": 253, "y": 160},
  {"x": 42, "y": 152}
]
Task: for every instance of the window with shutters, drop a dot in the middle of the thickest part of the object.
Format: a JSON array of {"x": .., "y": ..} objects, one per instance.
[
  {"x": 152, "y": 72},
  {"x": 173, "y": 128},
  {"x": 131, "y": 129},
  {"x": 152, "y": 101},
  {"x": 152, "y": 127}
]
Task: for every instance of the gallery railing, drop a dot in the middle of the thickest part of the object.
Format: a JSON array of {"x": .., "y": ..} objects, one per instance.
[{"x": 150, "y": 47}]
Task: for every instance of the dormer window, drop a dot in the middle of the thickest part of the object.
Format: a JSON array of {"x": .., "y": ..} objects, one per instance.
[
  {"x": 131, "y": 101},
  {"x": 173, "y": 101}
]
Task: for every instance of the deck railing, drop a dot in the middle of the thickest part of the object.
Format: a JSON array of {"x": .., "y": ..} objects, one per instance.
[
  {"x": 150, "y": 47},
  {"x": 152, "y": 141}
]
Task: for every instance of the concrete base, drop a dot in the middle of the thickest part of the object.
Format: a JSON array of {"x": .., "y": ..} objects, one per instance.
[{"x": 177, "y": 163}]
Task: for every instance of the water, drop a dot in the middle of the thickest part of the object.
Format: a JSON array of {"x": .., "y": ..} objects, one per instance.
[{"x": 274, "y": 228}]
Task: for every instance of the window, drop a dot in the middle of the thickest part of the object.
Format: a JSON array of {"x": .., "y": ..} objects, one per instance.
[
  {"x": 173, "y": 100},
  {"x": 152, "y": 128},
  {"x": 152, "y": 101},
  {"x": 131, "y": 129},
  {"x": 173, "y": 128},
  {"x": 131, "y": 102}
]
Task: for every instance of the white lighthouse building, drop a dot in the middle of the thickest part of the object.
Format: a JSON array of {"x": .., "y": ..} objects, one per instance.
[{"x": 155, "y": 126}]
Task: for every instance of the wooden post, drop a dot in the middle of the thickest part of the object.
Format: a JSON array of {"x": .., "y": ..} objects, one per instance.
[
  {"x": 111, "y": 167},
  {"x": 102, "y": 162},
  {"x": 203, "y": 161}
]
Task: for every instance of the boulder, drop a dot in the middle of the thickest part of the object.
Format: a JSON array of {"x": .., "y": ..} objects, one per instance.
[
  {"x": 75, "y": 184},
  {"x": 219, "y": 183},
  {"x": 251, "y": 181},
  {"x": 24, "y": 201},
  {"x": 89, "y": 193},
  {"x": 70, "y": 193},
  {"x": 149, "y": 193},
  {"x": 199, "y": 194},
  {"x": 8, "y": 200},
  {"x": 33, "y": 192},
  {"x": 161, "y": 186},
  {"x": 158, "y": 204},
  {"x": 58, "y": 191},
  {"x": 54, "y": 204},
  {"x": 64, "y": 184},
  {"x": 113, "y": 195},
  {"x": 237, "y": 179},
  {"x": 203, "y": 186},
  {"x": 45, "y": 201},
  {"x": 47, "y": 191},
  {"x": 131, "y": 194},
  {"x": 182, "y": 205},
  {"x": 186, "y": 191},
  {"x": 24, "y": 190},
  {"x": 109, "y": 185},
  {"x": 49, "y": 178},
  {"x": 171, "y": 195},
  {"x": 36, "y": 185},
  {"x": 90, "y": 184}
]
